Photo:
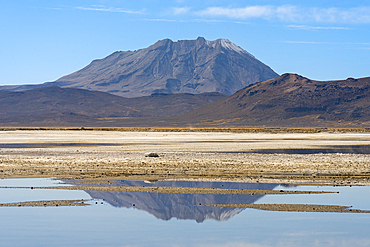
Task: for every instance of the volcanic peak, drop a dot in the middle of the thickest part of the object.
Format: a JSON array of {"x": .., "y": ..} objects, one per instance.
[{"x": 184, "y": 66}]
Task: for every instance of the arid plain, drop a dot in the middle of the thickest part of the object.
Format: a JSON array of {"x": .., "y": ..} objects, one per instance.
[{"x": 280, "y": 157}]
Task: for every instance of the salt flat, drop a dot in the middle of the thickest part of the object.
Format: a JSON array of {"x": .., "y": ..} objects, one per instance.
[{"x": 186, "y": 155}]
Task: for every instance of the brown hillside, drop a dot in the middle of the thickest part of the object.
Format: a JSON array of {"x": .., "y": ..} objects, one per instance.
[
  {"x": 288, "y": 101},
  {"x": 54, "y": 106}
]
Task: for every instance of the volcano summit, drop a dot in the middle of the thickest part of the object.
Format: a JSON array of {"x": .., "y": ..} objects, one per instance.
[{"x": 185, "y": 66}]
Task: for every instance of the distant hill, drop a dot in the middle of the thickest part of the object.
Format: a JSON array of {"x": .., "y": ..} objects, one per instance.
[
  {"x": 288, "y": 101},
  {"x": 185, "y": 66},
  {"x": 54, "y": 106}
]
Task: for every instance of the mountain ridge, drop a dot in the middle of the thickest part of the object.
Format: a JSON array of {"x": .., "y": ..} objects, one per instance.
[{"x": 290, "y": 100}]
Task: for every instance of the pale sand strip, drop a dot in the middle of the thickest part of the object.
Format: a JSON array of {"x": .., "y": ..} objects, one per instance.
[
  {"x": 53, "y": 203},
  {"x": 178, "y": 190},
  {"x": 292, "y": 207}
]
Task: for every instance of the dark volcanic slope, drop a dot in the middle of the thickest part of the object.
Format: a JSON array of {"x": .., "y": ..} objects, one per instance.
[
  {"x": 68, "y": 106},
  {"x": 186, "y": 66},
  {"x": 289, "y": 100}
]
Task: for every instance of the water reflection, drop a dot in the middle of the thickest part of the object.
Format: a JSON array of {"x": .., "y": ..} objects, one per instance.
[
  {"x": 180, "y": 206},
  {"x": 48, "y": 145},
  {"x": 101, "y": 225},
  {"x": 345, "y": 149}
]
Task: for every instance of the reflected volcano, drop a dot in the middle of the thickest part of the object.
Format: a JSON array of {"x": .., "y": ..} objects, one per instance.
[{"x": 167, "y": 206}]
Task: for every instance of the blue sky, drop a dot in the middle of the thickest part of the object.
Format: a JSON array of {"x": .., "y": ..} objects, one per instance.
[{"x": 42, "y": 40}]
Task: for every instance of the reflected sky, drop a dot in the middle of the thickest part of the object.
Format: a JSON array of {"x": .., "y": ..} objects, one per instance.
[
  {"x": 48, "y": 145},
  {"x": 21, "y": 195},
  {"x": 331, "y": 149}
]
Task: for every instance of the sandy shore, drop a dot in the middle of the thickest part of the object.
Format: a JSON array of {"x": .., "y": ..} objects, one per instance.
[
  {"x": 178, "y": 190},
  {"x": 110, "y": 155},
  {"x": 293, "y": 207},
  {"x": 53, "y": 203}
]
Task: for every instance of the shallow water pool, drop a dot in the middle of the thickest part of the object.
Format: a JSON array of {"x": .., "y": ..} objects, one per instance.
[{"x": 158, "y": 219}]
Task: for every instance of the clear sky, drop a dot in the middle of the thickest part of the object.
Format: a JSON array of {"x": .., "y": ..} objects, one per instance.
[{"x": 42, "y": 40}]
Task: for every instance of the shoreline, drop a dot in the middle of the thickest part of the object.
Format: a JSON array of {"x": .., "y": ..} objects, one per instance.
[{"x": 195, "y": 129}]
